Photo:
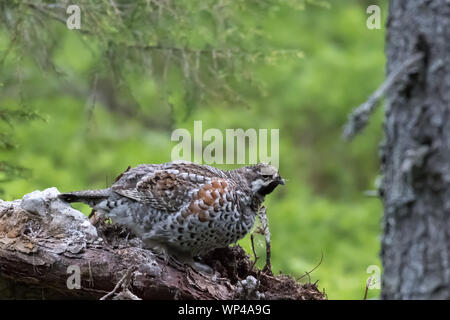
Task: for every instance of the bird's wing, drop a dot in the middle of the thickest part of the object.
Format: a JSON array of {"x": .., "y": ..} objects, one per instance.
[
  {"x": 216, "y": 197},
  {"x": 165, "y": 189},
  {"x": 215, "y": 200}
]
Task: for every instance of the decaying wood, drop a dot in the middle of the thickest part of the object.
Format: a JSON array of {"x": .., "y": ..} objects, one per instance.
[{"x": 42, "y": 240}]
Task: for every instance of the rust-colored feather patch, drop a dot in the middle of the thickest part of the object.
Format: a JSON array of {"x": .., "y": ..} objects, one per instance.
[{"x": 204, "y": 204}]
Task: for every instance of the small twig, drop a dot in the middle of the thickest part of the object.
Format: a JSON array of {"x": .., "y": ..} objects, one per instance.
[
  {"x": 115, "y": 289},
  {"x": 307, "y": 273},
  {"x": 127, "y": 295},
  {"x": 359, "y": 118},
  {"x": 124, "y": 282},
  {"x": 11, "y": 43},
  {"x": 367, "y": 287},
  {"x": 253, "y": 249},
  {"x": 121, "y": 175},
  {"x": 52, "y": 15},
  {"x": 268, "y": 267},
  {"x": 91, "y": 277}
]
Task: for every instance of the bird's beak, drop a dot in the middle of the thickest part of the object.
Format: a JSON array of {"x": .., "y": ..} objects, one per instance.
[{"x": 282, "y": 181}]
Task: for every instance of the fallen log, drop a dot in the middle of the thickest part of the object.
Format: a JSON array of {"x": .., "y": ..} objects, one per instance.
[{"x": 48, "y": 250}]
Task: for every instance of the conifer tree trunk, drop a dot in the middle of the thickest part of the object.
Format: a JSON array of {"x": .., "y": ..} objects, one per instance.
[{"x": 416, "y": 154}]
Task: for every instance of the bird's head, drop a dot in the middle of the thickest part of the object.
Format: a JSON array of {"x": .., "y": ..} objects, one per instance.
[{"x": 263, "y": 178}]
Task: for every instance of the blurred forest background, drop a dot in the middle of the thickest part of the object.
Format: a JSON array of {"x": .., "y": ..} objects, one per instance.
[{"x": 78, "y": 106}]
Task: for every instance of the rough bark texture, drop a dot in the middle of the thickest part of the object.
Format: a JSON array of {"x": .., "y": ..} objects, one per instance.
[
  {"x": 41, "y": 236},
  {"x": 416, "y": 154}
]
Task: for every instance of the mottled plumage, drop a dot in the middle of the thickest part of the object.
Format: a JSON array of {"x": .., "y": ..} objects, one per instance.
[{"x": 185, "y": 208}]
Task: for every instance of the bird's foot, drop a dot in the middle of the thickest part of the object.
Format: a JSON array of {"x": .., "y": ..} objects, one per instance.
[
  {"x": 182, "y": 260},
  {"x": 195, "y": 265},
  {"x": 201, "y": 267}
]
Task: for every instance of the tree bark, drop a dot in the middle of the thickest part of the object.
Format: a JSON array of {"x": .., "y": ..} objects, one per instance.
[
  {"x": 43, "y": 241},
  {"x": 416, "y": 154}
]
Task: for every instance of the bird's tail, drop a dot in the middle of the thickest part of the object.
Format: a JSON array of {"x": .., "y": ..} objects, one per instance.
[{"x": 87, "y": 196}]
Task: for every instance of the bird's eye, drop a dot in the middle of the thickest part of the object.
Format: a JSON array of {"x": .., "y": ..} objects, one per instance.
[{"x": 266, "y": 176}]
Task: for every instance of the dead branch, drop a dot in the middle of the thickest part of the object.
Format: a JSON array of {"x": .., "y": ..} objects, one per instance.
[{"x": 359, "y": 118}]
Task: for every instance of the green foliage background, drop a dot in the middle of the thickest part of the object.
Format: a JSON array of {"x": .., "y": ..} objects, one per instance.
[{"x": 78, "y": 106}]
